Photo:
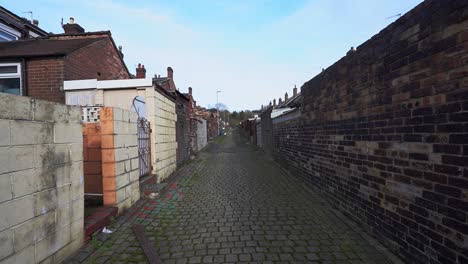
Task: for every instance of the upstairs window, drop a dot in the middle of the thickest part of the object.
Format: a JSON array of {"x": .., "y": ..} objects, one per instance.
[
  {"x": 10, "y": 78},
  {"x": 8, "y": 34}
]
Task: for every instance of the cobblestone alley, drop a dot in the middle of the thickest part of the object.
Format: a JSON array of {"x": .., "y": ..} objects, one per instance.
[{"x": 234, "y": 206}]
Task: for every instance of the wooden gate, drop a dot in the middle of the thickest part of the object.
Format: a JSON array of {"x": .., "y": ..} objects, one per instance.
[{"x": 144, "y": 146}]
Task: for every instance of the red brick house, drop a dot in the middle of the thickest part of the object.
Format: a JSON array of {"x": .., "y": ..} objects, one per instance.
[{"x": 37, "y": 67}]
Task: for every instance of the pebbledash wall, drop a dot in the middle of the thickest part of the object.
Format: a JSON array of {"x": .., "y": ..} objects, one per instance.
[
  {"x": 384, "y": 134},
  {"x": 41, "y": 180}
]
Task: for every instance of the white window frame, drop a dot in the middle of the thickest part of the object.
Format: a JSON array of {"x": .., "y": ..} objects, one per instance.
[
  {"x": 13, "y": 75},
  {"x": 10, "y": 31}
]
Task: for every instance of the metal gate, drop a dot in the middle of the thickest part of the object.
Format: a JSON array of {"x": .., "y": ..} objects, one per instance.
[{"x": 144, "y": 146}]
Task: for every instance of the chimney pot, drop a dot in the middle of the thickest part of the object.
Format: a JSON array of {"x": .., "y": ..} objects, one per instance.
[
  {"x": 35, "y": 22},
  {"x": 280, "y": 101},
  {"x": 72, "y": 20},
  {"x": 286, "y": 97},
  {"x": 190, "y": 90},
  {"x": 274, "y": 102},
  {"x": 140, "y": 71},
  {"x": 295, "y": 90}
]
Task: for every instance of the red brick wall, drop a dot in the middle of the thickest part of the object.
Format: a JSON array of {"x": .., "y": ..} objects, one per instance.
[
  {"x": 92, "y": 161},
  {"x": 45, "y": 79},
  {"x": 99, "y": 60},
  {"x": 45, "y": 76}
]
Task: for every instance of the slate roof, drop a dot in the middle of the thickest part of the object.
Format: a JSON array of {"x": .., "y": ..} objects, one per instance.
[
  {"x": 40, "y": 47},
  {"x": 19, "y": 23}
]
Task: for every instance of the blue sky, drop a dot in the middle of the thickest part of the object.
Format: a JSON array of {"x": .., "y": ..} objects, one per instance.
[{"x": 253, "y": 51}]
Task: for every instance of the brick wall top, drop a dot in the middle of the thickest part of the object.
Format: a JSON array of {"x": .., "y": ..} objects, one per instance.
[{"x": 407, "y": 55}]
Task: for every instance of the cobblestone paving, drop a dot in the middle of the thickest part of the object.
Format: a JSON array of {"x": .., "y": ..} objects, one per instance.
[{"x": 234, "y": 206}]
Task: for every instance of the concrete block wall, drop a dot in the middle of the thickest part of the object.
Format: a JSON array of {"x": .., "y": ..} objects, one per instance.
[
  {"x": 41, "y": 180},
  {"x": 120, "y": 168},
  {"x": 383, "y": 134},
  {"x": 163, "y": 123}
]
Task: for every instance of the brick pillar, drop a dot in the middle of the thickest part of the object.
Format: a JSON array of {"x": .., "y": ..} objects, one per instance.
[{"x": 108, "y": 156}]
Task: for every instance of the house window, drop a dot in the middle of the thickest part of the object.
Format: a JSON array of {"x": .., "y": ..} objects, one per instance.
[
  {"x": 10, "y": 78},
  {"x": 8, "y": 34}
]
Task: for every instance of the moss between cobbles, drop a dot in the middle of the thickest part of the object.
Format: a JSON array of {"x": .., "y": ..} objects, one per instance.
[{"x": 219, "y": 140}]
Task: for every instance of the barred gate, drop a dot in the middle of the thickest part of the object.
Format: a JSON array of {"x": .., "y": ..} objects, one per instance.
[{"x": 144, "y": 146}]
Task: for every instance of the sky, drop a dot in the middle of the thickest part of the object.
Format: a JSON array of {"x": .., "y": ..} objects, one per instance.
[{"x": 251, "y": 50}]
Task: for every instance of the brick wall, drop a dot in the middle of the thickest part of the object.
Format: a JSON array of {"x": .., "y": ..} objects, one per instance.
[
  {"x": 92, "y": 162},
  {"x": 182, "y": 130},
  {"x": 383, "y": 134},
  {"x": 193, "y": 135},
  {"x": 120, "y": 168},
  {"x": 45, "y": 79},
  {"x": 41, "y": 180},
  {"x": 259, "y": 134},
  {"x": 267, "y": 130},
  {"x": 98, "y": 60},
  {"x": 212, "y": 125}
]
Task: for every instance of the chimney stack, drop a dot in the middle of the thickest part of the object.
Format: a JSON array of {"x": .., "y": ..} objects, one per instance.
[
  {"x": 294, "y": 91},
  {"x": 286, "y": 97},
  {"x": 279, "y": 101},
  {"x": 274, "y": 102},
  {"x": 72, "y": 28},
  {"x": 190, "y": 90},
  {"x": 140, "y": 71},
  {"x": 170, "y": 73}
]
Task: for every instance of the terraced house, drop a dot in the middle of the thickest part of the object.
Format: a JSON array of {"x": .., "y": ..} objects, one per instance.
[{"x": 37, "y": 66}]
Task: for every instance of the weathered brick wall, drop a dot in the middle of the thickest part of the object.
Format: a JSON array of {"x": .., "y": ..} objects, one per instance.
[
  {"x": 120, "y": 168},
  {"x": 212, "y": 126},
  {"x": 99, "y": 60},
  {"x": 92, "y": 163},
  {"x": 259, "y": 134},
  {"x": 193, "y": 135},
  {"x": 383, "y": 134},
  {"x": 267, "y": 130},
  {"x": 41, "y": 180},
  {"x": 182, "y": 130},
  {"x": 45, "y": 79}
]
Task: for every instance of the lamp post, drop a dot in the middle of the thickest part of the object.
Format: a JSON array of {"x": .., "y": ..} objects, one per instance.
[{"x": 217, "y": 110}]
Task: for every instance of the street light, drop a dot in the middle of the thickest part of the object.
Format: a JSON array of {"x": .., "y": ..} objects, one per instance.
[{"x": 217, "y": 110}]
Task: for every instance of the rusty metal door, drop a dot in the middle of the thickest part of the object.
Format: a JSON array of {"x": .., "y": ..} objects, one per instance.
[{"x": 144, "y": 146}]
